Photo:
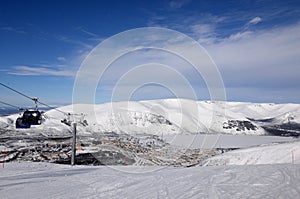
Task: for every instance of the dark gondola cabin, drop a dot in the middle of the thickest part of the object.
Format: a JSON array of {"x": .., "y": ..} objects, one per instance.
[{"x": 29, "y": 117}]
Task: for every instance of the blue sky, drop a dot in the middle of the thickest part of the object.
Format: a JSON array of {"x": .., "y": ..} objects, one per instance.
[{"x": 255, "y": 44}]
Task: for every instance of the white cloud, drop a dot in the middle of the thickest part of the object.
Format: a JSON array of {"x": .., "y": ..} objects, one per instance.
[
  {"x": 239, "y": 35},
  {"x": 166, "y": 48},
  {"x": 259, "y": 65},
  {"x": 257, "y": 62},
  {"x": 203, "y": 29},
  {"x": 62, "y": 59},
  {"x": 37, "y": 71},
  {"x": 204, "y": 32},
  {"x": 245, "y": 32},
  {"x": 266, "y": 58},
  {"x": 255, "y": 20}
]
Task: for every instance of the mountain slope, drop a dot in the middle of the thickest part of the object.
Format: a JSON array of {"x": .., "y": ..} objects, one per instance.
[
  {"x": 175, "y": 116},
  {"x": 268, "y": 154}
]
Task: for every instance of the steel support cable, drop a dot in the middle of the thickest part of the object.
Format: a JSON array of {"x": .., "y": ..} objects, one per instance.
[
  {"x": 16, "y": 91},
  {"x": 32, "y": 98},
  {"x": 9, "y": 104}
]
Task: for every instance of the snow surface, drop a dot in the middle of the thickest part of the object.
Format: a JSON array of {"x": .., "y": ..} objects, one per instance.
[
  {"x": 266, "y": 154},
  {"x": 44, "y": 180}
]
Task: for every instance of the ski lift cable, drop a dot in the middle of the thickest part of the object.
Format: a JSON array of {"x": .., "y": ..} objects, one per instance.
[
  {"x": 9, "y": 104},
  {"x": 16, "y": 91},
  {"x": 34, "y": 99},
  {"x": 52, "y": 107}
]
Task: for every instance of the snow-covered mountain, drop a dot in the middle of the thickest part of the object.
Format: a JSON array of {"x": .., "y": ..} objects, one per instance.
[{"x": 174, "y": 116}]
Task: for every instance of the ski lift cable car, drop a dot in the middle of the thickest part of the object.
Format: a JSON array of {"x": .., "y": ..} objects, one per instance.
[
  {"x": 30, "y": 117},
  {"x": 34, "y": 117},
  {"x": 36, "y": 100}
]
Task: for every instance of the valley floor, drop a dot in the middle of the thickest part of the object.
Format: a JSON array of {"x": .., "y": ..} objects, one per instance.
[{"x": 46, "y": 180}]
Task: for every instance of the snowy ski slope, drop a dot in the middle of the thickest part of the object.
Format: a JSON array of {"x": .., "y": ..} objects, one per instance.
[{"x": 44, "y": 180}]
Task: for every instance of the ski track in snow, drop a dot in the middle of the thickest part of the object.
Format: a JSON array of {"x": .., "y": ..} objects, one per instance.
[{"x": 44, "y": 180}]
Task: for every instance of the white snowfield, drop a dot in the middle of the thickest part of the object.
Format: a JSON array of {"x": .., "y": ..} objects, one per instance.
[
  {"x": 171, "y": 116},
  {"x": 44, "y": 180},
  {"x": 265, "y": 154}
]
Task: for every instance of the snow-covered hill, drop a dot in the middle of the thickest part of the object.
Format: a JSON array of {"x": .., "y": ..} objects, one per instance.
[
  {"x": 175, "y": 116},
  {"x": 265, "y": 154}
]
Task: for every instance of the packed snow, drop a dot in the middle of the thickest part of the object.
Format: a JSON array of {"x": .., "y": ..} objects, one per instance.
[
  {"x": 44, "y": 180},
  {"x": 266, "y": 154}
]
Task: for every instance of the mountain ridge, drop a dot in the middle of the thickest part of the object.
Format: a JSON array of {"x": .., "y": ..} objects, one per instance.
[{"x": 177, "y": 116}]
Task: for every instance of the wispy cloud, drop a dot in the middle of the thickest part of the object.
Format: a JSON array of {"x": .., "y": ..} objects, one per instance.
[
  {"x": 38, "y": 71},
  {"x": 203, "y": 29},
  {"x": 61, "y": 59},
  {"x": 73, "y": 41},
  {"x": 205, "y": 33},
  {"x": 238, "y": 35},
  {"x": 87, "y": 32},
  {"x": 254, "y": 52},
  {"x": 178, "y": 3},
  {"x": 91, "y": 36},
  {"x": 11, "y": 29},
  {"x": 200, "y": 26},
  {"x": 260, "y": 59},
  {"x": 255, "y": 20},
  {"x": 245, "y": 32}
]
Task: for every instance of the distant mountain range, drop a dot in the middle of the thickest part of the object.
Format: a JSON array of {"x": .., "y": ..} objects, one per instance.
[{"x": 178, "y": 116}]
